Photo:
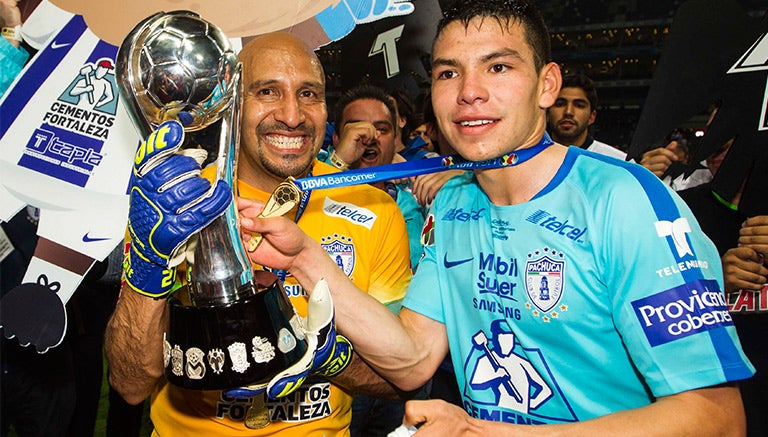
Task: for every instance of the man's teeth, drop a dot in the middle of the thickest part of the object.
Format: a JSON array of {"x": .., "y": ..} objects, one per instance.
[
  {"x": 476, "y": 122},
  {"x": 284, "y": 142}
]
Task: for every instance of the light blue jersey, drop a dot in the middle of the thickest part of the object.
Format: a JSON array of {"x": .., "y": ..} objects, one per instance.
[{"x": 598, "y": 295}]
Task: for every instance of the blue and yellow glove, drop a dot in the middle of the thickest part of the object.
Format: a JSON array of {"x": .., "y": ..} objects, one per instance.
[
  {"x": 328, "y": 353},
  {"x": 169, "y": 203}
]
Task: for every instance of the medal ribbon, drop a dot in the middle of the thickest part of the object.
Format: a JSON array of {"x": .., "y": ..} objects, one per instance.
[{"x": 418, "y": 167}]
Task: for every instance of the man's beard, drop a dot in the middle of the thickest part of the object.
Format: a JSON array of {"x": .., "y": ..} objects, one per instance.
[
  {"x": 288, "y": 164},
  {"x": 570, "y": 134}
]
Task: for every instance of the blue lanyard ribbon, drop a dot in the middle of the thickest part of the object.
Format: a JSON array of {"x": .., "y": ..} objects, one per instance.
[
  {"x": 418, "y": 167},
  {"x": 407, "y": 169}
]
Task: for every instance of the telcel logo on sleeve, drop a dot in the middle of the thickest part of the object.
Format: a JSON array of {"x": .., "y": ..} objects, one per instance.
[
  {"x": 676, "y": 313},
  {"x": 352, "y": 213}
]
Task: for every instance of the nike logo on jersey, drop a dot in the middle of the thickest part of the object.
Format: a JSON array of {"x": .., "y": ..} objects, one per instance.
[
  {"x": 57, "y": 45},
  {"x": 451, "y": 264},
  {"x": 89, "y": 239}
]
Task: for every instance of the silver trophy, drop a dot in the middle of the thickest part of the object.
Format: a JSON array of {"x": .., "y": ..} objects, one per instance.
[{"x": 239, "y": 329}]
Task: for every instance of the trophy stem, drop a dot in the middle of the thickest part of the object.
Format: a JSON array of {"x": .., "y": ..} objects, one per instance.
[{"x": 221, "y": 271}]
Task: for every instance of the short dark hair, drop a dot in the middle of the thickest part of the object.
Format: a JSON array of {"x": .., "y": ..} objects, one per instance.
[
  {"x": 580, "y": 80},
  {"x": 505, "y": 12},
  {"x": 364, "y": 91}
]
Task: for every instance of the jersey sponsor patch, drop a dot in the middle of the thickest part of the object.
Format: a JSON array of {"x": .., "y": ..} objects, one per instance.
[
  {"x": 509, "y": 383},
  {"x": 352, "y": 213},
  {"x": 68, "y": 143},
  {"x": 677, "y": 231},
  {"x": 681, "y": 311},
  {"x": 459, "y": 215},
  {"x": 501, "y": 229},
  {"x": 561, "y": 227},
  {"x": 308, "y": 402}
]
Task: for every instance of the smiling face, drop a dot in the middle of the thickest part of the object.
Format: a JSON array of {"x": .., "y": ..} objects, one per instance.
[
  {"x": 488, "y": 96},
  {"x": 284, "y": 112},
  {"x": 570, "y": 117},
  {"x": 381, "y": 150}
]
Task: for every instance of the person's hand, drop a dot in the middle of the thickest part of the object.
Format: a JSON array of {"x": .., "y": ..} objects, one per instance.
[
  {"x": 169, "y": 202},
  {"x": 754, "y": 234},
  {"x": 743, "y": 269},
  {"x": 10, "y": 15},
  {"x": 282, "y": 240},
  {"x": 353, "y": 139},
  {"x": 425, "y": 187},
  {"x": 660, "y": 159},
  {"x": 439, "y": 418},
  {"x": 744, "y": 266},
  {"x": 328, "y": 353}
]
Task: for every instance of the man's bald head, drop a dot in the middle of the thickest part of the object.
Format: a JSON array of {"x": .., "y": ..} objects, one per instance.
[{"x": 265, "y": 47}]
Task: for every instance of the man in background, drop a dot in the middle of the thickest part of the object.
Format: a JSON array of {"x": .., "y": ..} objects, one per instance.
[{"x": 574, "y": 111}]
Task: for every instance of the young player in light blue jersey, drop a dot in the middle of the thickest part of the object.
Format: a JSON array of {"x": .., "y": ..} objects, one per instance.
[
  {"x": 574, "y": 291},
  {"x": 567, "y": 274}
]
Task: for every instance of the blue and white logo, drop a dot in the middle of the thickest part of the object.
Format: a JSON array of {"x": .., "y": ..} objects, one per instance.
[
  {"x": 341, "y": 250},
  {"x": 681, "y": 311},
  {"x": 505, "y": 381},
  {"x": 677, "y": 230},
  {"x": 544, "y": 278},
  {"x": 68, "y": 143}
]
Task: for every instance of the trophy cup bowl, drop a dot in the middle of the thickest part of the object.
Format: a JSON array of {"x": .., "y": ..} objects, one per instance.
[
  {"x": 237, "y": 330},
  {"x": 177, "y": 65}
]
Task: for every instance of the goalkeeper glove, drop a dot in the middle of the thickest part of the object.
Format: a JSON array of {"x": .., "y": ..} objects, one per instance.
[{"x": 169, "y": 203}]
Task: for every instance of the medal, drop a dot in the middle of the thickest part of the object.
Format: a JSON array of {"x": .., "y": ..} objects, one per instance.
[{"x": 257, "y": 416}]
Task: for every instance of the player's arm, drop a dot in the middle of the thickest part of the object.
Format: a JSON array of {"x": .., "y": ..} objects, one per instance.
[
  {"x": 133, "y": 343},
  {"x": 169, "y": 203},
  {"x": 712, "y": 411},
  {"x": 360, "y": 378},
  {"x": 404, "y": 350}
]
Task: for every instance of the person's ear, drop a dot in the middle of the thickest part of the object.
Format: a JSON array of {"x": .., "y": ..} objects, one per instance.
[{"x": 550, "y": 82}]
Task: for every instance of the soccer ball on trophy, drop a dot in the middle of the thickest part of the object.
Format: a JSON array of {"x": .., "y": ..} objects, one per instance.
[{"x": 183, "y": 70}]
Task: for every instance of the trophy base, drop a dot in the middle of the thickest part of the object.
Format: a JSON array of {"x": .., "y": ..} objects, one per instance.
[{"x": 243, "y": 343}]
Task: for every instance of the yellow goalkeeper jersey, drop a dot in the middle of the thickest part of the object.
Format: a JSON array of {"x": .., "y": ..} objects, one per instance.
[{"x": 362, "y": 229}]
